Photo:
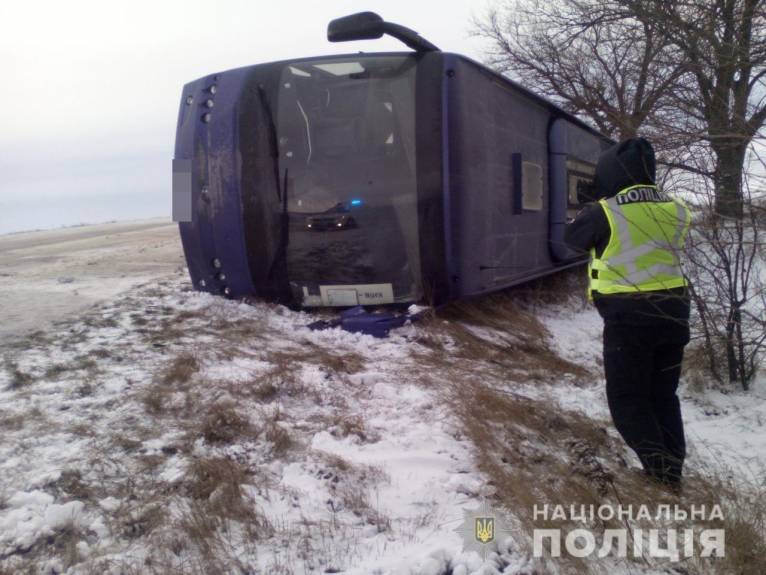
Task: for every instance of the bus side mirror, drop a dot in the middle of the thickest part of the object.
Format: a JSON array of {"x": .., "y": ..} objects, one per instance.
[
  {"x": 370, "y": 26},
  {"x": 361, "y": 26}
]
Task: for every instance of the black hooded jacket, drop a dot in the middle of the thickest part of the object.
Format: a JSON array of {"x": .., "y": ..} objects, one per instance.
[{"x": 626, "y": 164}]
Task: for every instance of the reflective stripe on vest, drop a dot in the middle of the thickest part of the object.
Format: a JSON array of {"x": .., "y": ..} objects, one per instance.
[{"x": 647, "y": 229}]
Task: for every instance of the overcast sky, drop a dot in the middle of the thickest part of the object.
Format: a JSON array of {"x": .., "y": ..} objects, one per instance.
[{"x": 90, "y": 88}]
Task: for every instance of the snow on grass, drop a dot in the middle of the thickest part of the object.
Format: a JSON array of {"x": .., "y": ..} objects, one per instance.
[
  {"x": 170, "y": 431},
  {"x": 727, "y": 430},
  {"x": 348, "y": 462}
]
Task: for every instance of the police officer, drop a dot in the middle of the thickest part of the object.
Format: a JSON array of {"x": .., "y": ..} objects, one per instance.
[{"x": 633, "y": 232}]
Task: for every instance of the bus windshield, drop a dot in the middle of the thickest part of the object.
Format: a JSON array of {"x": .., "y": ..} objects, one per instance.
[{"x": 345, "y": 129}]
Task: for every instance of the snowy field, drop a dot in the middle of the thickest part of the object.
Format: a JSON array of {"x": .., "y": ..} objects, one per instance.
[
  {"x": 52, "y": 274},
  {"x": 153, "y": 429}
]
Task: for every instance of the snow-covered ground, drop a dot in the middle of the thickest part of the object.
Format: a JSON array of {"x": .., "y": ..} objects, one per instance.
[
  {"x": 48, "y": 275},
  {"x": 163, "y": 430},
  {"x": 725, "y": 430}
]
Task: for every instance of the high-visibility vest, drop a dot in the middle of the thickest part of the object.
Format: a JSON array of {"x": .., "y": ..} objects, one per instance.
[{"x": 648, "y": 229}]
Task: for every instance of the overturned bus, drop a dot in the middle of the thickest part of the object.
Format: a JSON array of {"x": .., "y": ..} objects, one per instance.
[{"x": 374, "y": 178}]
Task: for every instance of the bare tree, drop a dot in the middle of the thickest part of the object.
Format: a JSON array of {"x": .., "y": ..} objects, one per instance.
[
  {"x": 723, "y": 43},
  {"x": 592, "y": 57},
  {"x": 686, "y": 73},
  {"x": 725, "y": 260},
  {"x": 716, "y": 111}
]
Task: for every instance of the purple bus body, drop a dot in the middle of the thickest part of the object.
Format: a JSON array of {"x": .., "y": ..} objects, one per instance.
[{"x": 496, "y": 141}]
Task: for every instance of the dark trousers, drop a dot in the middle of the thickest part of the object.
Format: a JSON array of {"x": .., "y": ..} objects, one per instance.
[{"x": 642, "y": 365}]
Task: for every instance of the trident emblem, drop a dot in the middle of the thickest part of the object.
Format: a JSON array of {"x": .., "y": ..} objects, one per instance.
[{"x": 484, "y": 529}]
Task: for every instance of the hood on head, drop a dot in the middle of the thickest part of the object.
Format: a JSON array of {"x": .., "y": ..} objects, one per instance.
[{"x": 626, "y": 164}]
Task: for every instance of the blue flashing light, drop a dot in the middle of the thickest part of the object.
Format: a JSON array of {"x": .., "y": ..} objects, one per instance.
[{"x": 356, "y": 202}]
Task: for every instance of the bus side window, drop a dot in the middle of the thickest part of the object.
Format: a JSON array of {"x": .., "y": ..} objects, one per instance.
[
  {"x": 580, "y": 188},
  {"x": 532, "y": 186},
  {"x": 526, "y": 186}
]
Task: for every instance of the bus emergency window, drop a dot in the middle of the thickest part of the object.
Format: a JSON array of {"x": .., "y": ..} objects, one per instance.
[{"x": 532, "y": 186}]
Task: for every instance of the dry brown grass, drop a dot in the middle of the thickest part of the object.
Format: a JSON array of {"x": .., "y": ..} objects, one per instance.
[
  {"x": 535, "y": 453},
  {"x": 695, "y": 368},
  {"x": 125, "y": 443},
  {"x": 71, "y": 486},
  {"x": 11, "y": 421},
  {"x": 523, "y": 441},
  {"x": 216, "y": 489},
  {"x": 154, "y": 400},
  {"x": 516, "y": 344},
  {"x": 101, "y": 353},
  {"x": 224, "y": 424},
  {"x": 201, "y": 528},
  {"x": 63, "y": 544},
  {"x": 139, "y": 319},
  {"x": 150, "y": 463},
  {"x": 175, "y": 377},
  {"x": 267, "y": 388},
  {"x": 100, "y": 321},
  {"x": 56, "y": 370},
  {"x": 348, "y": 363},
  {"x": 526, "y": 450},
  {"x": 352, "y": 486},
  {"x": 219, "y": 481},
  {"x": 82, "y": 430},
  {"x": 264, "y": 391},
  {"x": 181, "y": 369},
  {"x": 282, "y": 380},
  {"x": 18, "y": 377},
  {"x": 355, "y": 497},
  {"x": 288, "y": 362},
  {"x": 744, "y": 523},
  {"x": 197, "y": 524},
  {"x": 280, "y": 439},
  {"x": 142, "y": 520},
  {"x": 569, "y": 285},
  {"x": 351, "y": 425},
  {"x": 336, "y": 462},
  {"x": 84, "y": 363},
  {"x": 167, "y": 327},
  {"x": 15, "y": 421},
  {"x": 39, "y": 338}
]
